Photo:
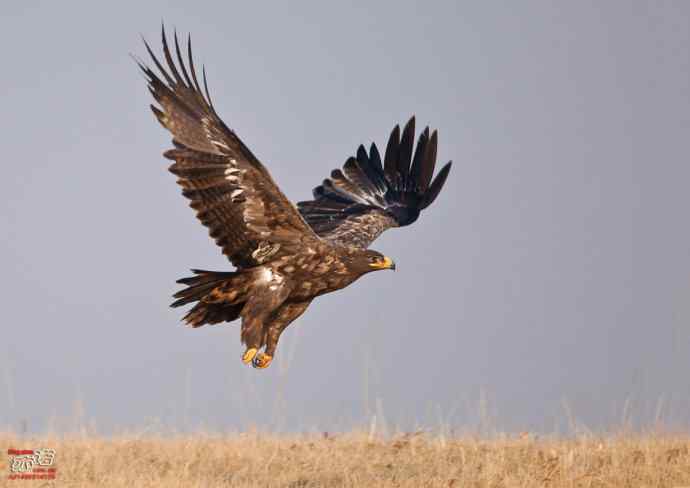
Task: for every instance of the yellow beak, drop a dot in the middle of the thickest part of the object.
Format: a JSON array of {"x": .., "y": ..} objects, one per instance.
[{"x": 387, "y": 263}]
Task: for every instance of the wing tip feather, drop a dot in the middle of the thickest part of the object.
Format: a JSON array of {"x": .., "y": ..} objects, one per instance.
[{"x": 407, "y": 185}]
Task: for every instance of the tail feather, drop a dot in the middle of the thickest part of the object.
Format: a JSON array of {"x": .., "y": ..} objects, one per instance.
[
  {"x": 220, "y": 296},
  {"x": 198, "y": 286},
  {"x": 212, "y": 313}
]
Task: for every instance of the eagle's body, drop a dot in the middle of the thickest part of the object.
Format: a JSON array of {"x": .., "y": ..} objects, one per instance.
[{"x": 284, "y": 256}]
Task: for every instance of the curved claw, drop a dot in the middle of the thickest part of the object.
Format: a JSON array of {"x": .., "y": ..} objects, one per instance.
[
  {"x": 262, "y": 361},
  {"x": 249, "y": 355}
]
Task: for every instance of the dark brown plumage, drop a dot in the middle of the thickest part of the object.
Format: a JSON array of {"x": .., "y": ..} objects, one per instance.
[
  {"x": 356, "y": 204},
  {"x": 284, "y": 256}
]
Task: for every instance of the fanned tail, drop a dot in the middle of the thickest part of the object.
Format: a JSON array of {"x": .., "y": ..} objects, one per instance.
[{"x": 220, "y": 296}]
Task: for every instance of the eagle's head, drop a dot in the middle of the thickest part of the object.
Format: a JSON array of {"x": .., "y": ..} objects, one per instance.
[{"x": 366, "y": 260}]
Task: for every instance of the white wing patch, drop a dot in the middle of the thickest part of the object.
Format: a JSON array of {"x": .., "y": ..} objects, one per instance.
[
  {"x": 265, "y": 251},
  {"x": 232, "y": 174},
  {"x": 266, "y": 275},
  {"x": 211, "y": 134},
  {"x": 274, "y": 280}
]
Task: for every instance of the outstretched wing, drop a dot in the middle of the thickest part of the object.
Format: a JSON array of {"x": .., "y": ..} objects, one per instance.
[
  {"x": 364, "y": 198},
  {"x": 231, "y": 191}
]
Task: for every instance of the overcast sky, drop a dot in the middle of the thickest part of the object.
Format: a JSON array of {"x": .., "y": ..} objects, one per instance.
[{"x": 547, "y": 285}]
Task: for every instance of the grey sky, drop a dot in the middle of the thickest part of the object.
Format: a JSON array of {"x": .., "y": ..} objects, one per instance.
[{"x": 553, "y": 271}]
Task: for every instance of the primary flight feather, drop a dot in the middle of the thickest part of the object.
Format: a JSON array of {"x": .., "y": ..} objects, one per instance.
[{"x": 284, "y": 255}]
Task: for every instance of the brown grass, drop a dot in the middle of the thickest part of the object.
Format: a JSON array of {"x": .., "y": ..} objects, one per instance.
[{"x": 411, "y": 460}]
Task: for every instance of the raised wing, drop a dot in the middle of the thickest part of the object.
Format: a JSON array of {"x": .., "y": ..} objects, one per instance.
[
  {"x": 364, "y": 198},
  {"x": 231, "y": 191}
]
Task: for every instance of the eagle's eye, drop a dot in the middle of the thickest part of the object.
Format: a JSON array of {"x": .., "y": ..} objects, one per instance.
[{"x": 381, "y": 262}]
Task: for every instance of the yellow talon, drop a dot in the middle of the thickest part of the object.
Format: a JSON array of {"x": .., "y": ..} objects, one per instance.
[
  {"x": 262, "y": 361},
  {"x": 249, "y": 355}
]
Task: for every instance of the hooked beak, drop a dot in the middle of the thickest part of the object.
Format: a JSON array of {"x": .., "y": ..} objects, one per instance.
[{"x": 387, "y": 263}]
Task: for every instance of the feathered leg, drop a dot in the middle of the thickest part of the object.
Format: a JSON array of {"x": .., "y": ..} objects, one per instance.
[
  {"x": 257, "y": 312},
  {"x": 283, "y": 317}
]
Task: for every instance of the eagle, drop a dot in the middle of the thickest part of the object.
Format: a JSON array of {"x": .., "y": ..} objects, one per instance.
[{"x": 284, "y": 255}]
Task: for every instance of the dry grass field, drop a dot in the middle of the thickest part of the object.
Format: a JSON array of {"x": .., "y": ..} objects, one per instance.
[{"x": 346, "y": 460}]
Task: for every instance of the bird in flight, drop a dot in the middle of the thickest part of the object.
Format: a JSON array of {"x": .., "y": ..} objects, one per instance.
[{"x": 284, "y": 255}]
